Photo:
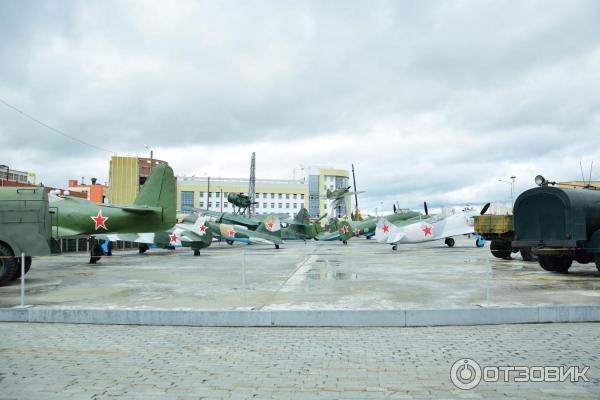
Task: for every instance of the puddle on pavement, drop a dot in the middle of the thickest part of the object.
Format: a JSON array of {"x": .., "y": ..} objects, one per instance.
[{"x": 322, "y": 275}]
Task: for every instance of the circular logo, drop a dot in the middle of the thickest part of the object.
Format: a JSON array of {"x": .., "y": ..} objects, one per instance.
[{"x": 465, "y": 374}]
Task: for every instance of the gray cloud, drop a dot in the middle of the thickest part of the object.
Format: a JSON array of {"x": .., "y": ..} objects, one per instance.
[{"x": 433, "y": 100}]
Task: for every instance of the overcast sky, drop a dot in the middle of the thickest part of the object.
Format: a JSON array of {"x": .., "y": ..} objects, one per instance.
[{"x": 430, "y": 100}]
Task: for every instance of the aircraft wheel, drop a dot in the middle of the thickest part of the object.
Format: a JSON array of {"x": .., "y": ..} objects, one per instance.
[
  {"x": 344, "y": 241},
  {"x": 229, "y": 242},
  {"x": 368, "y": 237},
  {"x": 27, "y": 266},
  {"x": 449, "y": 242},
  {"x": 555, "y": 264},
  {"x": 395, "y": 247},
  {"x": 95, "y": 253},
  {"x": 277, "y": 246},
  {"x": 479, "y": 242},
  {"x": 196, "y": 252},
  {"x": 142, "y": 248},
  {"x": 8, "y": 265},
  {"x": 528, "y": 255}
]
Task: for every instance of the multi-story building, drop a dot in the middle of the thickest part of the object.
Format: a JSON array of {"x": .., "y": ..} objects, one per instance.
[
  {"x": 272, "y": 195},
  {"x": 12, "y": 177},
  {"x": 126, "y": 175},
  {"x": 319, "y": 180},
  {"x": 94, "y": 192}
]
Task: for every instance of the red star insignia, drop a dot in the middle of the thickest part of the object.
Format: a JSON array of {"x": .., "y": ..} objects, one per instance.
[
  {"x": 344, "y": 229},
  {"x": 386, "y": 229},
  {"x": 427, "y": 230},
  {"x": 357, "y": 231},
  {"x": 270, "y": 225},
  {"x": 203, "y": 228},
  {"x": 173, "y": 237},
  {"x": 231, "y": 233},
  {"x": 100, "y": 220}
]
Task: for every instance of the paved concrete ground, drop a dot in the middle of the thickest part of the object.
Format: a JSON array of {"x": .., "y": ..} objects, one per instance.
[
  {"x": 315, "y": 275},
  {"x": 60, "y": 361}
]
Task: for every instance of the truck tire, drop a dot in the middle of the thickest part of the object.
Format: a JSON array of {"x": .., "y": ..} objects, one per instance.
[
  {"x": 8, "y": 265},
  {"x": 527, "y": 254},
  {"x": 555, "y": 264},
  {"x": 27, "y": 265},
  {"x": 500, "y": 249}
]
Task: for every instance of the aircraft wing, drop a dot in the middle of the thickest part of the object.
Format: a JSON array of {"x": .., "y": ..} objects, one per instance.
[
  {"x": 210, "y": 213},
  {"x": 133, "y": 209},
  {"x": 147, "y": 238}
]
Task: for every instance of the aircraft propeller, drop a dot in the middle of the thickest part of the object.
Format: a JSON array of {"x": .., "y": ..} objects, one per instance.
[
  {"x": 425, "y": 207},
  {"x": 394, "y": 208},
  {"x": 484, "y": 209}
]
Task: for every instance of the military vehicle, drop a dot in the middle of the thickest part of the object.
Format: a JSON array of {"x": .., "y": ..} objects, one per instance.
[
  {"x": 560, "y": 225},
  {"x": 499, "y": 230},
  {"x": 25, "y": 227}
]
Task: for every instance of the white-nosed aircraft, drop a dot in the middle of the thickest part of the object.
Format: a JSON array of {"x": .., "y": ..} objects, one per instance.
[{"x": 425, "y": 229}]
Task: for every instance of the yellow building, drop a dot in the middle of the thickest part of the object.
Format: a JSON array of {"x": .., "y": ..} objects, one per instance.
[
  {"x": 320, "y": 179},
  {"x": 272, "y": 195},
  {"x": 127, "y": 175}
]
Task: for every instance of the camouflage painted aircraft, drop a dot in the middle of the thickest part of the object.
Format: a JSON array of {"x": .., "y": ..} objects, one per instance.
[
  {"x": 349, "y": 229},
  {"x": 417, "y": 230},
  {"x": 303, "y": 228},
  {"x": 236, "y": 219},
  {"x": 268, "y": 231},
  {"x": 196, "y": 236},
  {"x": 339, "y": 194}
]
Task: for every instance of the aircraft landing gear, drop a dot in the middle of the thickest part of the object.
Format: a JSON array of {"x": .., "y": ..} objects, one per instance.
[
  {"x": 95, "y": 253},
  {"x": 277, "y": 246},
  {"x": 345, "y": 242},
  {"x": 449, "y": 242},
  {"x": 395, "y": 247},
  {"x": 142, "y": 248},
  {"x": 229, "y": 242},
  {"x": 196, "y": 252}
]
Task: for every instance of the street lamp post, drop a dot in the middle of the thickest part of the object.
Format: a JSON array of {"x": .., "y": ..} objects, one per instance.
[{"x": 512, "y": 188}]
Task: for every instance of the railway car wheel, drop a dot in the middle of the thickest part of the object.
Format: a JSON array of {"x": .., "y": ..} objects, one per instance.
[
  {"x": 449, "y": 242},
  {"x": 500, "y": 249},
  {"x": 8, "y": 265},
  {"x": 27, "y": 266},
  {"x": 528, "y": 255}
]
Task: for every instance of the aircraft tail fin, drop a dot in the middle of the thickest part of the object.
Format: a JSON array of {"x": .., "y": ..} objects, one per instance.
[
  {"x": 202, "y": 229},
  {"x": 382, "y": 230},
  {"x": 346, "y": 230},
  {"x": 270, "y": 225},
  {"x": 334, "y": 225},
  {"x": 302, "y": 217},
  {"x": 159, "y": 191}
]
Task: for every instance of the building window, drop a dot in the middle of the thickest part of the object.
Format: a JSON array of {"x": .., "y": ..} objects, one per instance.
[
  {"x": 272, "y": 205},
  {"x": 264, "y": 195},
  {"x": 280, "y": 205},
  {"x": 295, "y": 205},
  {"x": 272, "y": 195},
  {"x": 287, "y": 195},
  {"x": 225, "y": 204},
  {"x": 209, "y": 194},
  {"x": 201, "y": 204},
  {"x": 225, "y": 194},
  {"x": 187, "y": 201},
  {"x": 218, "y": 204},
  {"x": 209, "y": 204},
  {"x": 264, "y": 205},
  {"x": 295, "y": 196},
  {"x": 302, "y": 196},
  {"x": 287, "y": 205},
  {"x": 201, "y": 194},
  {"x": 280, "y": 196}
]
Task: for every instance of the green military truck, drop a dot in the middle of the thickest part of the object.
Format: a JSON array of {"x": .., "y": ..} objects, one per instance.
[
  {"x": 25, "y": 227},
  {"x": 500, "y": 231}
]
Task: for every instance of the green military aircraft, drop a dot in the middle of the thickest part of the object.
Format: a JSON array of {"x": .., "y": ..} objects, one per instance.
[
  {"x": 349, "y": 229},
  {"x": 340, "y": 193},
  {"x": 153, "y": 210},
  {"x": 241, "y": 201}
]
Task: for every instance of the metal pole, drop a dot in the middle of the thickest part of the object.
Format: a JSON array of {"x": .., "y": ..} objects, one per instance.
[
  {"x": 221, "y": 202},
  {"x": 244, "y": 278},
  {"x": 354, "y": 180},
  {"x": 22, "y": 279}
]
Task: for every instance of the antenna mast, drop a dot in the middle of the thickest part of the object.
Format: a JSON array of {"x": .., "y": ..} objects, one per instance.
[{"x": 252, "y": 184}]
